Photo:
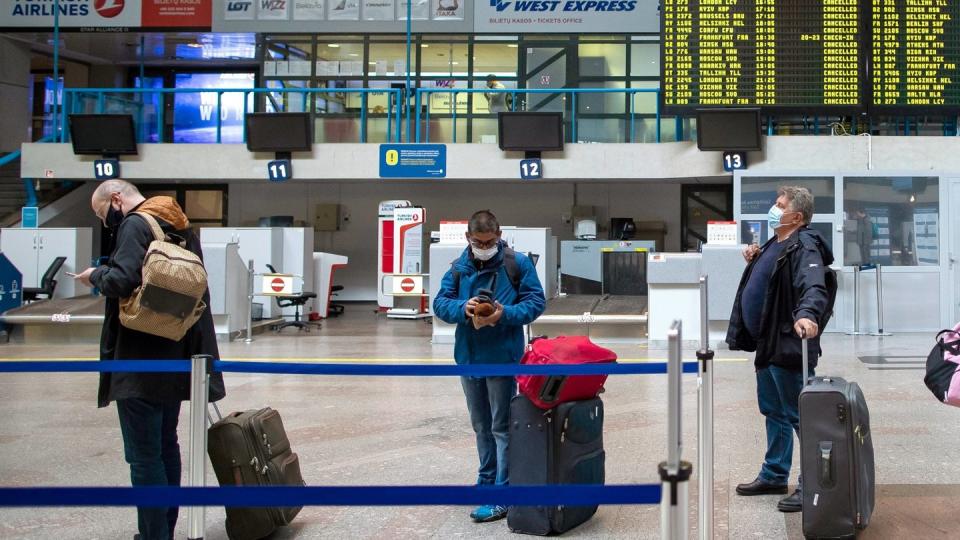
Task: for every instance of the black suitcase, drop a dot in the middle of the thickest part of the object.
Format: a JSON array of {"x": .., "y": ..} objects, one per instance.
[
  {"x": 251, "y": 449},
  {"x": 562, "y": 445},
  {"x": 836, "y": 454}
]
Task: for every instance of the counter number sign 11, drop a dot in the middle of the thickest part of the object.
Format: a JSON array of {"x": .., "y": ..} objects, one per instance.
[
  {"x": 531, "y": 169},
  {"x": 106, "y": 169},
  {"x": 734, "y": 161},
  {"x": 279, "y": 170}
]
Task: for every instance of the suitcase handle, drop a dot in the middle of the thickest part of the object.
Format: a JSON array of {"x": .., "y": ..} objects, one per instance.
[
  {"x": 551, "y": 388},
  {"x": 826, "y": 464},
  {"x": 804, "y": 353}
]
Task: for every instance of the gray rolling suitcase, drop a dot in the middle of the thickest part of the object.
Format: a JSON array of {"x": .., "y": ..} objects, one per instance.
[
  {"x": 561, "y": 445},
  {"x": 836, "y": 454}
]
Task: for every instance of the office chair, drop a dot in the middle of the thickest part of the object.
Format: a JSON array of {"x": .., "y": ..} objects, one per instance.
[
  {"x": 47, "y": 284},
  {"x": 295, "y": 301}
]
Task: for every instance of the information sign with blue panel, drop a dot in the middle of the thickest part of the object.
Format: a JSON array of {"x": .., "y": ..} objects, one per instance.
[
  {"x": 531, "y": 169},
  {"x": 106, "y": 169},
  {"x": 413, "y": 161},
  {"x": 279, "y": 170},
  {"x": 29, "y": 217}
]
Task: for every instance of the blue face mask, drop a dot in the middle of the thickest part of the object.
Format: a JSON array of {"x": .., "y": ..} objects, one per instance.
[{"x": 773, "y": 217}]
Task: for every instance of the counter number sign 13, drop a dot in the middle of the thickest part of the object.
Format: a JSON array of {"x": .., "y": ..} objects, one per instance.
[
  {"x": 106, "y": 169},
  {"x": 279, "y": 170},
  {"x": 734, "y": 161},
  {"x": 531, "y": 169}
]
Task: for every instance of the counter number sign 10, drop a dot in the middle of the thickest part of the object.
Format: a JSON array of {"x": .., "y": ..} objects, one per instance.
[
  {"x": 734, "y": 161},
  {"x": 531, "y": 169},
  {"x": 106, "y": 169},
  {"x": 279, "y": 170}
]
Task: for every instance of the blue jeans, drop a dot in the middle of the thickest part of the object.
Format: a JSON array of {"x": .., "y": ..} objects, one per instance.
[
  {"x": 150, "y": 446},
  {"x": 488, "y": 401},
  {"x": 778, "y": 393}
]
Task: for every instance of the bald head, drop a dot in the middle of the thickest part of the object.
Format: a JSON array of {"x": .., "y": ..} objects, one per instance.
[{"x": 120, "y": 194}]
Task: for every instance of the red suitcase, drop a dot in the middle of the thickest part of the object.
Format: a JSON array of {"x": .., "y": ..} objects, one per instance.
[{"x": 547, "y": 391}]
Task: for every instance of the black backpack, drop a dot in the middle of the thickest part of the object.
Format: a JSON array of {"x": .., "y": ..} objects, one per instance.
[{"x": 830, "y": 280}]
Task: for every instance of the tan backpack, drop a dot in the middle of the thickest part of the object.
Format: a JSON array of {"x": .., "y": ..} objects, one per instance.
[{"x": 170, "y": 298}]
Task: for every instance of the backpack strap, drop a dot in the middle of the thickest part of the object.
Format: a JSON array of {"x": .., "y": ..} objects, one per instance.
[
  {"x": 509, "y": 264},
  {"x": 154, "y": 226}
]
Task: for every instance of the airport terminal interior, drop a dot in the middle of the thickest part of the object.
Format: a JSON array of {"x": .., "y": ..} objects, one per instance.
[{"x": 329, "y": 157}]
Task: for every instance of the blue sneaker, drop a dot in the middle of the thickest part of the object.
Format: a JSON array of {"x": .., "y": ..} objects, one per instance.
[{"x": 488, "y": 512}]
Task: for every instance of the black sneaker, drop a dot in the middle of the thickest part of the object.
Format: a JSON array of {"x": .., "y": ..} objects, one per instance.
[
  {"x": 793, "y": 503},
  {"x": 761, "y": 487}
]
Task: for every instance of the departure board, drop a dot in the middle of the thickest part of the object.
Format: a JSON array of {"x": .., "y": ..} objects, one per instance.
[
  {"x": 782, "y": 54},
  {"x": 915, "y": 52}
]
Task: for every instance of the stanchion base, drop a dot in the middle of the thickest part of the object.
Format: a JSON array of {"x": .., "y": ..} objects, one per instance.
[
  {"x": 248, "y": 340},
  {"x": 880, "y": 334},
  {"x": 857, "y": 333}
]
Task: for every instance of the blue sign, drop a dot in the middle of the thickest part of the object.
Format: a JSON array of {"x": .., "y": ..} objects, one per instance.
[
  {"x": 106, "y": 169},
  {"x": 29, "y": 217},
  {"x": 11, "y": 286},
  {"x": 413, "y": 161},
  {"x": 531, "y": 169},
  {"x": 279, "y": 170},
  {"x": 734, "y": 161}
]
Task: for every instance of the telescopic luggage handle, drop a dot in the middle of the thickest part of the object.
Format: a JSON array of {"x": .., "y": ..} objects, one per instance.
[{"x": 804, "y": 344}]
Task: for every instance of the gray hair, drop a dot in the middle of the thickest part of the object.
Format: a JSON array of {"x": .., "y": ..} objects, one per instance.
[
  {"x": 483, "y": 221},
  {"x": 800, "y": 199},
  {"x": 109, "y": 187}
]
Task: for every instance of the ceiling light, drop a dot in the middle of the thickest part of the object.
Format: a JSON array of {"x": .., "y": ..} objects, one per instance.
[
  {"x": 424, "y": 45},
  {"x": 455, "y": 63},
  {"x": 333, "y": 45},
  {"x": 512, "y": 45},
  {"x": 354, "y": 54}
]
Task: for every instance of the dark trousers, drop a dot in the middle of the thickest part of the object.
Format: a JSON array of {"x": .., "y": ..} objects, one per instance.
[
  {"x": 150, "y": 446},
  {"x": 488, "y": 401},
  {"x": 778, "y": 394}
]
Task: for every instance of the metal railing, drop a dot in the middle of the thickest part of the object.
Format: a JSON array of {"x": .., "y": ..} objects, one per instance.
[
  {"x": 423, "y": 135},
  {"x": 134, "y": 101}
]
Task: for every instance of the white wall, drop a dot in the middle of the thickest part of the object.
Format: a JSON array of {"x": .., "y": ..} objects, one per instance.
[{"x": 524, "y": 204}]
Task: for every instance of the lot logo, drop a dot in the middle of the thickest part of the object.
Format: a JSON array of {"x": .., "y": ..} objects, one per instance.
[
  {"x": 576, "y": 6},
  {"x": 239, "y": 6},
  {"x": 108, "y": 8}
]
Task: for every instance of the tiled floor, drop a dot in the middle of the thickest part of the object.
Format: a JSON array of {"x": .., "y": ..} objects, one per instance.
[{"x": 400, "y": 431}]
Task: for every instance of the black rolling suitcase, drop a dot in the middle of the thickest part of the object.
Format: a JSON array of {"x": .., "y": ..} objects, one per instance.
[
  {"x": 562, "y": 445},
  {"x": 836, "y": 454},
  {"x": 251, "y": 449}
]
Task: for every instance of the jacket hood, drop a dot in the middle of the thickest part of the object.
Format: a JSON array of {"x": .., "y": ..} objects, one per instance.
[
  {"x": 810, "y": 236},
  {"x": 167, "y": 209}
]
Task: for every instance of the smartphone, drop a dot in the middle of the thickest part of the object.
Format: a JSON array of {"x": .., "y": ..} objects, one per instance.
[{"x": 71, "y": 274}]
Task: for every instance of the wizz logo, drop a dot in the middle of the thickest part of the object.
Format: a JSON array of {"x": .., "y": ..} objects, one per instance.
[
  {"x": 273, "y": 5},
  {"x": 499, "y": 4}
]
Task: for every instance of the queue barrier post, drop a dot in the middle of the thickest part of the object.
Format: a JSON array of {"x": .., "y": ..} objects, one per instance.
[
  {"x": 674, "y": 473},
  {"x": 705, "y": 419},
  {"x": 197, "y": 453}
]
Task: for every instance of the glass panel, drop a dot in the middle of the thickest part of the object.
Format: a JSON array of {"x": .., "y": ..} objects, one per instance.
[
  {"x": 645, "y": 130},
  {"x": 759, "y": 193},
  {"x": 340, "y": 51},
  {"x": 603, "y": 60},
  {"x": 756, "y": 231},
  {"x": 195, "y": 114},
  {"x": 601, "y": 103},
  {"x": 333, "y": 129},
  {"x": 498, "y": 59},
  {"x": 645, "y": 102},
  {"x": 893, "y": 221},
  {"x": 388, "y": 59},
  {"x": 285, "y": 101},
  {"x": 645, "y": 60},
  {"x": 442, "y": 102},
  {"x": 441, "y": 130},
  {"x": 490, "y": 102},
  {"x": 546, "y": 68},
  {"x": 201, "y": 205},
  {"x": 485, "y": 130},
  {"x": 438, "y": 59},
  {"x": 600, "y": 130}
]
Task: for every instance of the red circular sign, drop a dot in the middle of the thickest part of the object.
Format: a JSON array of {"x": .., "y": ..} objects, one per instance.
[
  {"x": 276, "y": 284},
  {"x": 108, "y": 8},
  {"x": 407, "y": 285}
]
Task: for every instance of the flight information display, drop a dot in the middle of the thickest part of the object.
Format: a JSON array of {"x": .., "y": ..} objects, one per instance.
[
  {"x": 915, "y": 52},
  {"x": 785, "y": 54}
]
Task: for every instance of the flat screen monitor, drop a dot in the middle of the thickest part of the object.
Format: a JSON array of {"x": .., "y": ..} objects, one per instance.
[
  {"x": 531, "y": 131},
  {"x": 103, "y": 134},
  {"x": 728, "y": 129},
  {"x": 279, "y": 132}
]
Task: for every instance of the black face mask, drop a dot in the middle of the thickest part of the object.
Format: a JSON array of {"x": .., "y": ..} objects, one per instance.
[{"x": 113, "y": 219}]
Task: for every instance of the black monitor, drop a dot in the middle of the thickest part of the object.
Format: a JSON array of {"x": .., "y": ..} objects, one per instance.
[
  {"x": 531, "y": 131},
  {"x": 279, "y": 132},
  {"x": 103, "y": 134},
  {"x": 622, "y": 229},
  {"x": 728, "y": 129}
]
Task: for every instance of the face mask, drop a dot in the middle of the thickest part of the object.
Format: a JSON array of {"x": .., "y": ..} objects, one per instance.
[
  {"x": 774, "y": 216},
  {"x": 114, "y": 217},
  {"x": 484, "y": 254}
]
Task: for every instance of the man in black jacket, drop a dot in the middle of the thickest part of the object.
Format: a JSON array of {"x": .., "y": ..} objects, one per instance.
[
  {"x": 148, "y": 403},
  {"x": 782, "y": 296}
]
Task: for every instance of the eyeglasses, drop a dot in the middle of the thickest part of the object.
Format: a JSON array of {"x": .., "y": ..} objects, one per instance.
[{"x": 484, "y": 245}]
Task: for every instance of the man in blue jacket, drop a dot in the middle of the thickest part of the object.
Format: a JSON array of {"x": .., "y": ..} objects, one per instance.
[{"x": 497, "y": 338}]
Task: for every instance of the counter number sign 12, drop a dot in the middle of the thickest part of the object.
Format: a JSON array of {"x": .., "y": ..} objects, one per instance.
[
  {"x": 734, "y": 161},
  {"x": 531, "y": 169},
  {"x": 106, "y": 169},
  {"x": 279, "y": 170}
]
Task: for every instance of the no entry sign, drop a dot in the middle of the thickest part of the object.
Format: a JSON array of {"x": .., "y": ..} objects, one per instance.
[{"x": 277, "y": 285}]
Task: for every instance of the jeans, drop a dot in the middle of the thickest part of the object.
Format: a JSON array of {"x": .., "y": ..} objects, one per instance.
[
  {"x": 150, "y": 446},
  {"x": 488, "y": 400},
  {"x": 778, "y": 393}
]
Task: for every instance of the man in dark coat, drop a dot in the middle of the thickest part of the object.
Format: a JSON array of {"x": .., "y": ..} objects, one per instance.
[
  {"x": 148, "y": 403},
  {"x": 782, "y": 296}
]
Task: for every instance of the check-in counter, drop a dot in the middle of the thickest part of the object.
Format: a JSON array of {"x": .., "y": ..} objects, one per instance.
[
  {"x": 724, "y": 266},
  {"x": 673, "y": 281},
  {"x": 228, "y": 281}
]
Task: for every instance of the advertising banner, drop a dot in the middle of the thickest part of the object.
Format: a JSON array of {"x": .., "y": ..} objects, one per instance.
[
  {"x": 176, "y": 13},
  {"x": 420, "y": 10},
  {"x": 116, "y": 15},
  {"x": 308, "y": 10},
  {"x": 344, "y": 10},
  {"x": 271, "y": 10},
  {"x": 565, "y": 16},
  {"x": 408, "y": 241},
  {"x": 238, "y": 10},
  {"x": 451, "y": 10},
  {"x": 378, "y": 10}
]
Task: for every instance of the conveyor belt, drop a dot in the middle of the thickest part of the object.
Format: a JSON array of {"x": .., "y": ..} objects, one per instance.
[
  {"x": 80, "y": 309},
  {"x": 621, "y": 305},
  {"x": 572, "y": 304},
  {"x": 590, "y": 309}
]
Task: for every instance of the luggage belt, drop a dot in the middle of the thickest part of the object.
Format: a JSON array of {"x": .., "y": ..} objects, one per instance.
[
  {"x": 79, "y": 309},
  {"x": 588, "y": 316}
]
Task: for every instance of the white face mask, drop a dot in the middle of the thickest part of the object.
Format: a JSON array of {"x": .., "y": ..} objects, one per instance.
[
  {"x": 774, "y": 216},
  {"x": 484, "y": 254}
]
